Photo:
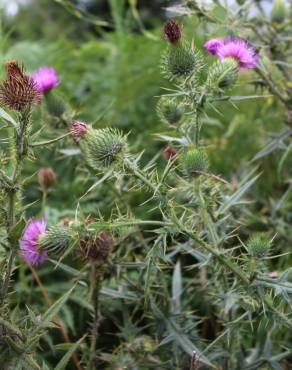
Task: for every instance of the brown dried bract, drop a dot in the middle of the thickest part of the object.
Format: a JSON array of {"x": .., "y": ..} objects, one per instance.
[
  {"x": 18, "y": 91},
  {"x": 97, "y": 249}
]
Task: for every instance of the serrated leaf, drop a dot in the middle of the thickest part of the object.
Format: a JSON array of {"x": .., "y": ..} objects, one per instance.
[
  {"x": 57, "y": 306},
  {"x": 235, "y": 197},
  {"x": 16, "y": 231},
  {"x": 176, "y": 288},
  {"x": 66, "y": 358},
  {"x": 8, "y": 118}
]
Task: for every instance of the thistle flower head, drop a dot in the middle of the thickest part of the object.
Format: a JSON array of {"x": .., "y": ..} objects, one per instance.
[
  {"x": 96, "y": 249},
  {"x": 213, "y": 45},
  {"x": 223, "y": 74},
  {"x": 78, "y": 130},
  {"x": 169, "y": 111},
  {"x": 258, "y": 244},
  {"x": 240, "y": 50},
  {"x": 172, "y": 31},
  {"x": 279, "y": 11},
  {"x": 46, "y": 178},
  {"x": 30, "y": 242},
  {"x": 103, "y": 148},
  {"x": 195, "y": 161},
  {"x": 179, "y": 61},
  {"x": 56, "y": 240},
  {"x": 169, "y": 152},
  {"x": 18, "y": 91},
  {"x": 45, "y": 78}
]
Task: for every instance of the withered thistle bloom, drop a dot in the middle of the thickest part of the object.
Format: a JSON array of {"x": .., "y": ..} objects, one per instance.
[
  {"x": 18, "y": 91},
  {"x": 96, "y": 249},
  {"x": 46, "y": 178},
  {"x": 172, "y": 31}
]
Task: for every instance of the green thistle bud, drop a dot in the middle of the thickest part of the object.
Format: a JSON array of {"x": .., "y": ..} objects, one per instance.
[
  {"x": 169, "y": 112},
  {"x": 223, "y": 74},
  {"x": 103, "y": 148},
  {"x": 278, "y": 13},
  {"x": 56, "y": 240},
  {"x": 258, "y": 244},
  {"x": 56, "y": 105},
  {"x": 195, "y": 161},
  {"x": 179, "y": 61}
]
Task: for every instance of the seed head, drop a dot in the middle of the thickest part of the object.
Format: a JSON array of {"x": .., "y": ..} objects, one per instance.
[{"x": 18, "y": 91}]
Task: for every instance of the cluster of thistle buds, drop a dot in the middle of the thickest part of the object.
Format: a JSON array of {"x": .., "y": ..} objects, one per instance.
[{"x": 198, "y": 80}]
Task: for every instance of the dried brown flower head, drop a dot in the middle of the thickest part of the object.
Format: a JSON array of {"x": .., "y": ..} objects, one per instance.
[
  {"x": 97, "y": 249},
  {"x": 18, "y": 91},
  {"x": 46, "y": 178}
]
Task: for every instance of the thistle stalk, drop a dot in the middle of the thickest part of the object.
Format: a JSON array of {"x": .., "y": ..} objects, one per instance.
[
  {"x": 20, "y": 149},
  {"x": 95, "y": 280}
]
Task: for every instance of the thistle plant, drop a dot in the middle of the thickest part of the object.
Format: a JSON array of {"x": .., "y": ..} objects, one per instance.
[{"x": 176, "y": 259}]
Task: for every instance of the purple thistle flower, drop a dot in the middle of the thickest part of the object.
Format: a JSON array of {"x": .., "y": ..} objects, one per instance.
[
  {"x": 45, "y": 78},
  {"x": 213, "y": 45},
  {"x": 78, "y": 130},
  {"x": 29, "y": 244},
  {"x": 172, "y": 31},
  {"x": 240, "y": 50}
]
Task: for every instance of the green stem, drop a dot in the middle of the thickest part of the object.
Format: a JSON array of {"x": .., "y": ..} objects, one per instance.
[
  {"x": 95, "y": 285},
  {"x": 48, "y": 142},
  {"x": 44, "y": 202},
  {"x": 140, "y": 175},
  {"x": 21, "y": 150}
]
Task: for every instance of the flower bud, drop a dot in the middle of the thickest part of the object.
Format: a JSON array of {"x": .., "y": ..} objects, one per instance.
[
  {"x": 78, "y": 130},
  {"x": 278, "y": 13},
  {"x": 195, "y": 161},
  {"x": 46, "y": 178},
  {"x": 223, "y": 74},
  {"x": 172, "y": 31},
  {"x": 179, "y": 61},
  {"x": 169, "y": 152},
  {"x": 169, "y": 112},
  {"x": 103, "y": 148},
  {"x": 259, "y": 245},
  {"x": 56, "y": 240},
  {"x": 56, "y": 105},
  {"x": 96, "y": 249}
]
